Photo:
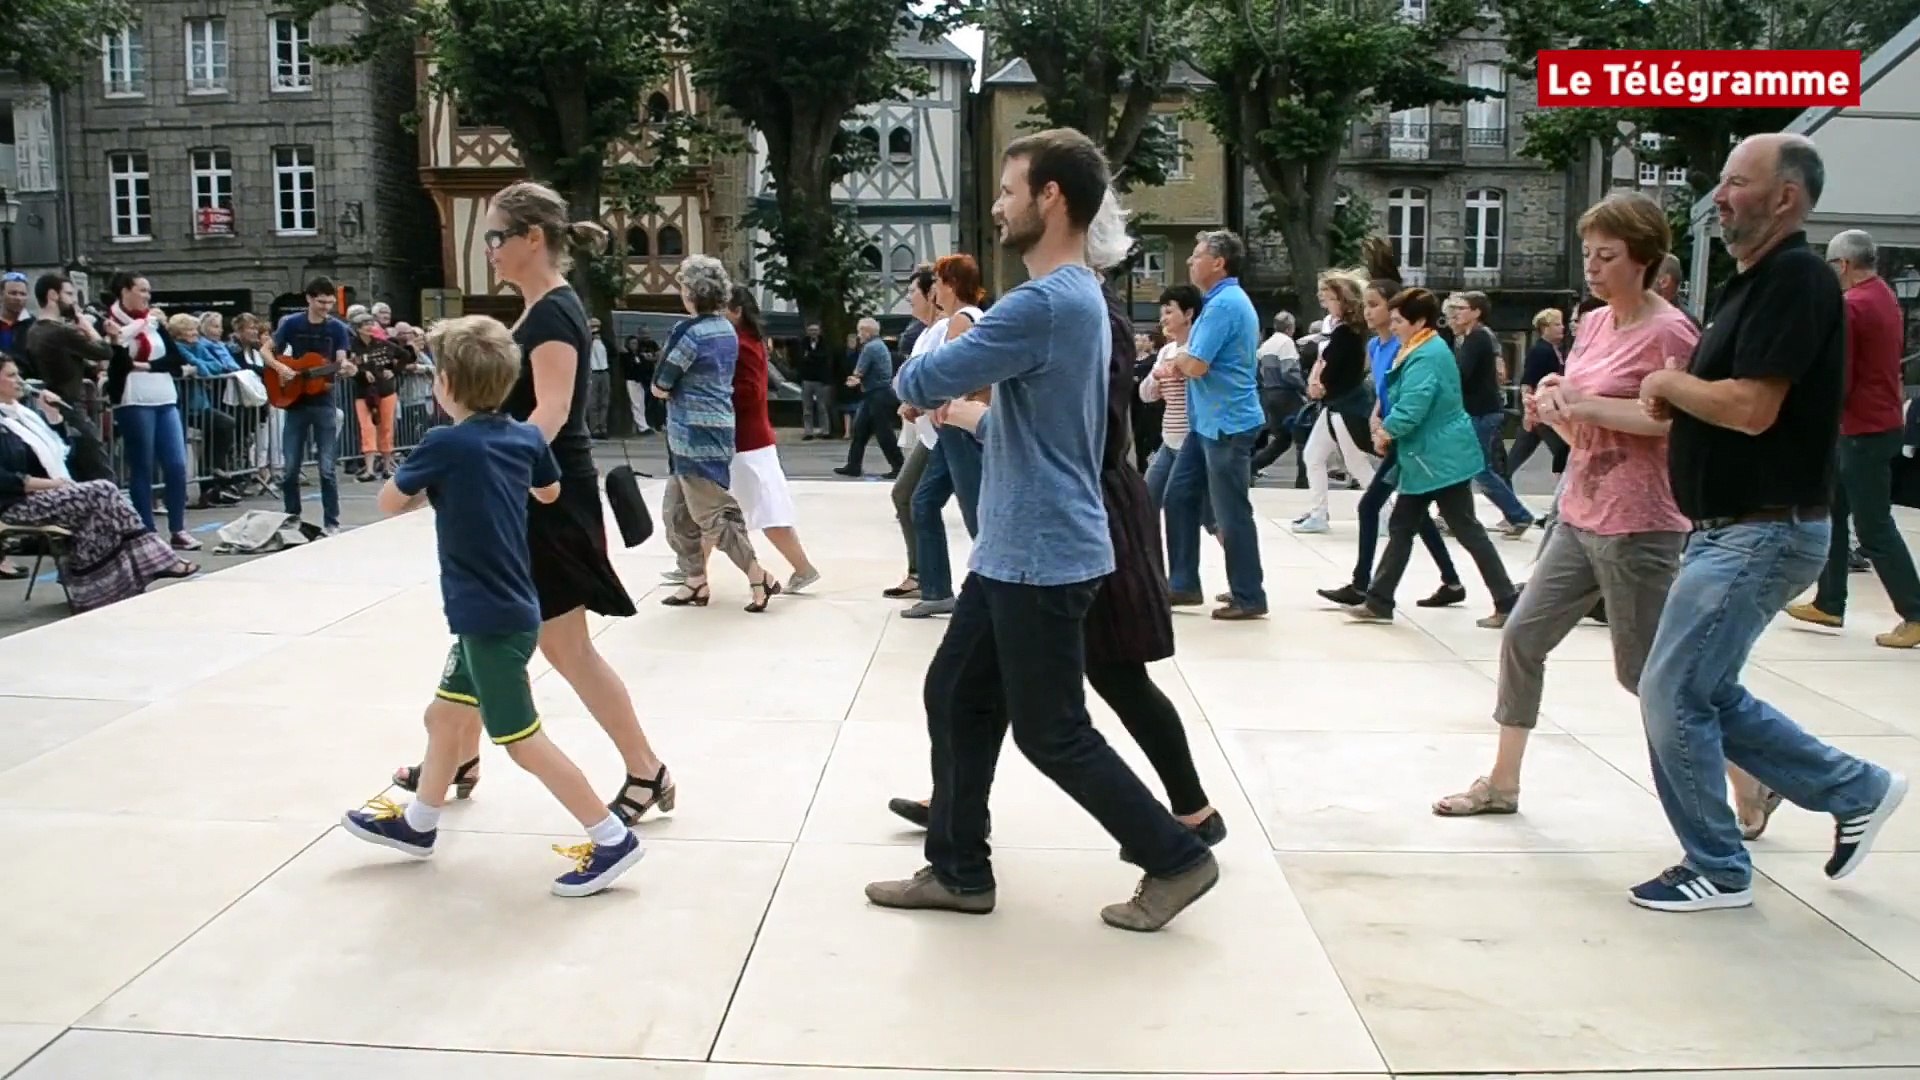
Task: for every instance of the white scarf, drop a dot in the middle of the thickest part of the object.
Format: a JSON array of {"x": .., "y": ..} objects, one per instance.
[
  {"x": 140, "y": 336},
  {"x": 45, "y": 443}
]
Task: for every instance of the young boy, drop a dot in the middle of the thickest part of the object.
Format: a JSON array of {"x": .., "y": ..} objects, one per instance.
[{"x": 476, "y": 474}]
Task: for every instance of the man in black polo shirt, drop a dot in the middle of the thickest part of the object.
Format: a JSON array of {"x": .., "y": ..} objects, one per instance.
[{"x": 1755, "y": 418}]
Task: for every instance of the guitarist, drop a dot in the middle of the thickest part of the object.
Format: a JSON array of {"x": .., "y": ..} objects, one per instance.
[{"x": 302, "y": 335}]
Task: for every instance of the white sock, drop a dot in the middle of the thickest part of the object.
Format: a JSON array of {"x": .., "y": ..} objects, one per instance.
[
  {"x": 421, "y": 817},
  {"x": 608, "y": 832}
]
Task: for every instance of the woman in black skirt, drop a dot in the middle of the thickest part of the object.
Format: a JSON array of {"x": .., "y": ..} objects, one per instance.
[
  {"x": 528, "y": 240},
  {"x": 1130, "y": 624}
]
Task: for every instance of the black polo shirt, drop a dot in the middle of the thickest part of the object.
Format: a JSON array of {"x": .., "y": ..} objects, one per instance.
[{"x": 1781, "y": 318}]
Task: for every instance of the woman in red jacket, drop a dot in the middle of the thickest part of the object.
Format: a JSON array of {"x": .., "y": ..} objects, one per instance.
[{"x": 759, "y": 484}]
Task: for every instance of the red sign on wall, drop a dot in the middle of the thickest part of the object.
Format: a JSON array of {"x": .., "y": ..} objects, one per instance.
[
  {"x": 1698, "y": 79},
  {"x": 213, "y": 221}
]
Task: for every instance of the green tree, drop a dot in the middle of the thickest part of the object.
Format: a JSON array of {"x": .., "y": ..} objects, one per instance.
[
  {"x": 566, "y": 79},
  {"x": 796, "y": 73},
  {"x": 1291, "y": 77},
  {"x": 52, "y": 41},
  {"x": 1100, "y": 66}
]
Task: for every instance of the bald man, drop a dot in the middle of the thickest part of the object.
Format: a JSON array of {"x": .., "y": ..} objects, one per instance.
[{"x": 1755, "y": 420}]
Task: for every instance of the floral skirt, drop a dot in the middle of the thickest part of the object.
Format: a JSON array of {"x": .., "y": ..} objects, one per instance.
[{"x": 114, "y": 555}]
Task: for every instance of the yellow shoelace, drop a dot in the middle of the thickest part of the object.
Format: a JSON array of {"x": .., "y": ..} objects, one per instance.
[
  {"x": 581, "y": 854},
  {"x": 385, "y": 809}
]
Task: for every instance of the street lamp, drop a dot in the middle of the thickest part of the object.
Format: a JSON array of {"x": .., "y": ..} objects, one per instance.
[{"x": 9, "y": 213}]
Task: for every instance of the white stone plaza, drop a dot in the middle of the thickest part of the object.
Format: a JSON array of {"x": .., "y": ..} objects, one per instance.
[{"x": 182, "y": 904}]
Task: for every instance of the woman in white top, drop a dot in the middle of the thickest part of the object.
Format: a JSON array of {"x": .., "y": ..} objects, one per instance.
[
  {"x": 953, "y": 457},
  {"x": 920, "y": 299},
  {"x": 146, "y": 403},
  {"x": 1179, "y": 307}
]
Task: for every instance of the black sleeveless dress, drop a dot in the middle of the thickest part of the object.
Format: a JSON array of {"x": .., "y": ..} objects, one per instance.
[{"x": 567, "y": 539}]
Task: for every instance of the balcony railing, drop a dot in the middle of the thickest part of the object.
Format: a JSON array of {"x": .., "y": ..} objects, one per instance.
[
  {"x": 1447, "y": 271},
  {"x": 1486, "y": 138},
  {"x": 1404, "y": 141}
]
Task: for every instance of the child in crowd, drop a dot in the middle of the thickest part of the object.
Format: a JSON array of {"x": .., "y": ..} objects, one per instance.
[{"x": 477, "y": 474}]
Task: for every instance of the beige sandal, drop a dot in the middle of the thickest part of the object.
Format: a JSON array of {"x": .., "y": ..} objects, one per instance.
[
  {"x": 1769, "y": 802},
  {"x": 1481, "y": 798}
]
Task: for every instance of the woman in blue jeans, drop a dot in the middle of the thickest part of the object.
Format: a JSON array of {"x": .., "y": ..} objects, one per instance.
[
  {"x": 953, "y": 462},
  {"x": 146, "y": 403},
  {"x": 1382, "y": 348}
]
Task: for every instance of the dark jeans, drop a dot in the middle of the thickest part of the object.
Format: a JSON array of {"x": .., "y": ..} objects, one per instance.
[
  {"x": 1371, "y": 505},
  {"x": 878, "y": 417},
  {"x": 1863, "y": 489},
  {"x": 319, "y": 420},
  {"x": 1532, "y": 439},
  {"x": 1490, "y": 482},
  {"x": 1456, "y": 508},
  {"x": 150, "y": 434},
  {"x": 1217, "y": 471},
  {"x": 1280, "y": 405},
  {"x": 953, "y": 469},
  {"x": 1014, "y": 656}
]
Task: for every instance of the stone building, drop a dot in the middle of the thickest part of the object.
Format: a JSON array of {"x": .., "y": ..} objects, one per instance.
[
  {"x": 1166, "y": 218},
  {"x": 1447, "y": 186},
  {"x": 33, "y": 225},
  {"x": 210, "y": 150},
  {"x": 909, "y": 201},
  {"x": 463, "y": 164}
]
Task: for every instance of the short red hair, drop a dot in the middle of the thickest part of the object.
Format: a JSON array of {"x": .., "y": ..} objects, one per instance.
[{"x": 962, "y": 275}]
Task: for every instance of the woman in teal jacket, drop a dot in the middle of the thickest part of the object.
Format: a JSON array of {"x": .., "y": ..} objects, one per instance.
[{"x": 1438, "y": 456}]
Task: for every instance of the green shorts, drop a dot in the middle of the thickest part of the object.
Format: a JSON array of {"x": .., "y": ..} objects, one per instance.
[{"x": 489, "y": 672}]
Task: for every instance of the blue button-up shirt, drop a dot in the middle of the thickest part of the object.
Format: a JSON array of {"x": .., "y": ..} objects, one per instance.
[{"x": 1226, "y": 400}]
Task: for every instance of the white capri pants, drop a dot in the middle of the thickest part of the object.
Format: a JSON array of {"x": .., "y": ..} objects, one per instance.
[{"x": 1330, "y": 434}]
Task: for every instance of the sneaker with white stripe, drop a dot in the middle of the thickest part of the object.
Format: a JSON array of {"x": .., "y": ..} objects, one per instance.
[
  {"x": 1853, "y": 836},
  {"x": 1680, "y": 889}
]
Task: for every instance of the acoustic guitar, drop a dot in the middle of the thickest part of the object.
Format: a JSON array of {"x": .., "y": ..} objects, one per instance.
[{"x": 312, "y": 374}]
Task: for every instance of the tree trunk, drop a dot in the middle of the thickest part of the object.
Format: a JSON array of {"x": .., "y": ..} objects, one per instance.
[{"x": 801, "y": 160}]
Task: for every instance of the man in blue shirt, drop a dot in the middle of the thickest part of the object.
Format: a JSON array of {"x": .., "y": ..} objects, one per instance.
[
  {"x": 879, "y": 415},
  {"x": 1014, "y": 653},
  {"x": 1223, "y": 405},
  {"x": 312, "y": 332}
]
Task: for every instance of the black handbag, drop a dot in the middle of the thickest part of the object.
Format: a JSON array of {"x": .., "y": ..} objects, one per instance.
[{"x": 629, "y": 506}]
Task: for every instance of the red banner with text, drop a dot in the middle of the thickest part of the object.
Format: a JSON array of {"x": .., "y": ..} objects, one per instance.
[{"x": 1704, "y": 79}]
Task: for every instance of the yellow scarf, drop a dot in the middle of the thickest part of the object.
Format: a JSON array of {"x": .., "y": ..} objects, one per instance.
[{"x": 1413, "y": 343}]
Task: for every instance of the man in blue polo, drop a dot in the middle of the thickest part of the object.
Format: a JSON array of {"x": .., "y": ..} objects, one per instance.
[{"x": 1216, "y": 462}]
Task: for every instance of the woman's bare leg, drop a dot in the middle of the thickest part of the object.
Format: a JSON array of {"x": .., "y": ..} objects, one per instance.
[
  {"x": 786, "y": 540},
  {"x": 565, "y": 643}
]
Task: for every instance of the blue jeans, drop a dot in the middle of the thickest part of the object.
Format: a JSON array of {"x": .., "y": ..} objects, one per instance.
[
  {"x": 321, "y": 421},
  {"x": 1219, "y": 472},
  {"x": 149, "y": 433},
  {"x": 1371, "y": 505},
  {"x": 1491, "y": 483},
  {"x": 1732, "y": 582},
  {"x": 953, "y": 468}
]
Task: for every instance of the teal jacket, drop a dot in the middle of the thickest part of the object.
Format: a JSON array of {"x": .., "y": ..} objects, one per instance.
[{"x": 1432, "y": 434}]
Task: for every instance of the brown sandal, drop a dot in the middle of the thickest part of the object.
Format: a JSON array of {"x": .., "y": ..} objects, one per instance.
[
  {"x": 1769, "y": 802},
  {"x": 1481, "y": 798}
]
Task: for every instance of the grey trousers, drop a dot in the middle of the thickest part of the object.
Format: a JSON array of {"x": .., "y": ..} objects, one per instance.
[
  {"x": 816, "y": 408},
  {"x": 903, "y": 485},
  {"x": 700, "y": 513},
  {"x": 1631, "y": 573}
]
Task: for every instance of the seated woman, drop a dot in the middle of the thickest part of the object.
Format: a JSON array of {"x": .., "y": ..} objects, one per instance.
[
  {"x": 115, "y": 555},
  {"x": 199, "y": 341}
]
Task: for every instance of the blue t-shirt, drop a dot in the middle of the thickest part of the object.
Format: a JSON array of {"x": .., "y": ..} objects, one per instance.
[
  {"x": 1044, "y": 349},
  {"x": 1380, "y": 356},
  {"x": 477, "y": 474},
  {"x": 297, "y": 335},
  {"x": 1226, "y": 400}
]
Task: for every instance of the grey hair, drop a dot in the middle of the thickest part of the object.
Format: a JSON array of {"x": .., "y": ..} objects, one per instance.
[
  {"x": 1856, "y": 247},
  {"x": 705, "y": 281},
  {"x": 1283, "y": 323},
  {"x": 868, "y": 322},
  {"x": 1670, "y": 267},
  {"x": 1800, "y": 163},
  {"x": 1107, "y": 239},
  {"x": 1225, "y": 244}
]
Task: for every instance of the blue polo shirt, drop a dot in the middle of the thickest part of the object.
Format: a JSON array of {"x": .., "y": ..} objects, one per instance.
[
  {"x": 1226, "y": 400},
  {"x": 1380, "y": 356}
]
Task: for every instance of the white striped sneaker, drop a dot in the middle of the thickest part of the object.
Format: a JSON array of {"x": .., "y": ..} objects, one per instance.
[
  {"x": 1853, "y": 836},
  {"x": 1680, "y": 889}
]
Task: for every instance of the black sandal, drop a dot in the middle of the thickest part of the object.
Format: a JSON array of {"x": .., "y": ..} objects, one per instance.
[
  {"x": 904, "y": 591},
  {"x": 629, "y": 810},
  {"x": 688, "y": 596},
  {"x": 766, "y": 588},
  {"x": 181, "y": 569},
  {"x": 465, "y": 778}
]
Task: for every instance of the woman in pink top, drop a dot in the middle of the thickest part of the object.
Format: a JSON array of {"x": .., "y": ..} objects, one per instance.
[{"x": 1620, "y": 534}]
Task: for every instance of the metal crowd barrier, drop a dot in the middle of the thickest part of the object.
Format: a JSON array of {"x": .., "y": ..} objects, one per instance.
[{"x": 241, "y": 445}]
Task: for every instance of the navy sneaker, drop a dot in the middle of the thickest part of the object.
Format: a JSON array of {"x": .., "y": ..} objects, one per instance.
[
  {"x": 1853, "y": 836},
  {"x": 1680, "y": 889},
  {"x": 595, "y": 867},
  {"x": 384, "y": 822}
]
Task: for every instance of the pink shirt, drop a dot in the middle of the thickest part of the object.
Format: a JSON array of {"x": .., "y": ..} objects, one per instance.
[{"x": 1617, "y": 483}]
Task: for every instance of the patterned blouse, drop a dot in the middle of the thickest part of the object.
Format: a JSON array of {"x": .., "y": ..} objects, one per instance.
[{"x": 697, "y": 367}]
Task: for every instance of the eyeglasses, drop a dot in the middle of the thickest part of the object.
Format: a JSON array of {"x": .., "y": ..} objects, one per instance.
[{"x": 496, "y": 239}]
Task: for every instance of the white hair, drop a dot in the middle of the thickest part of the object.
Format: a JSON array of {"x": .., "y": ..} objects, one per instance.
[
  {"x": 868, "y": 322},
  {"x": 1107, "y": 239},
  {"x": 705, "y": 281},
  {"x": 1855, "y": 246}
]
